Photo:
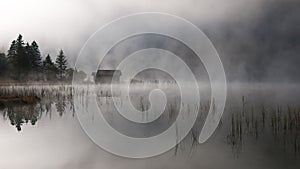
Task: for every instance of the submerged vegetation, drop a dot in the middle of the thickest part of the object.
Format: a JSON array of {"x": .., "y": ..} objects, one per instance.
[{"x": 253, "y": 122}]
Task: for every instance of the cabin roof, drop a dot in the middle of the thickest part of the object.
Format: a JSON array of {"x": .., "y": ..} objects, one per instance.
[{"x": 109, "y": 72}]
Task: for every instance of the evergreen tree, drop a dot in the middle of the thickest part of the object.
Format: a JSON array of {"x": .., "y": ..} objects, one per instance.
[
  {"x": 48, "y": 63},
  {"x": 12, "y": 57},
  {"x": 23, "y": 62},
  {"x": 49, "y": 68},
  {"x": 35, "y": 57},
  {"x": 18, "y": 59},
  {"x": 12, "y": 52},
  {"x": 61, "y": 65},
  {"x": 3, "y": 65},
  {"x": 28, "y": 55},
  {"x": 24, "y": 58}
]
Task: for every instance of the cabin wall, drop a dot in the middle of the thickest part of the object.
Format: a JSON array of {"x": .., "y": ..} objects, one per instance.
[{"x": 106, "y": 79}]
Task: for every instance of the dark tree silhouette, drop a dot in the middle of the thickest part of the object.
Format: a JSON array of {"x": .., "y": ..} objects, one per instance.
[
  {"x": 3, "y": 65},
  {"x": 49, "y": 68},
  {"x": 27, "y": 67},
  {"x": 24, "y": 59},
  {"x": 24, "y": 62},
  {"x": 23, "y": 114},
  {"x": 12, "y": 57},
  {"x": 18, "y": 58},
  {"x": 61, "y": 65},
  {"x": 35, "y": 57}
]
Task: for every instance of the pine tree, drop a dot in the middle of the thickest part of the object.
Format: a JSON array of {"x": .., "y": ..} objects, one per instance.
[
  {"x": 12, "y": 57},
  {"x": 49, "y": 68},
  {"x": 23, "y": 61},
  {"x": 35, "y": 57},
  {"x": 3, "y": 65},
  {"x": 61, "y": 65},
  {"x": 48, "y": 63},
  {"x": 28, "y": 55},
  {"x": 17, "y": 58},
  {"x": 12, "y": 52}
]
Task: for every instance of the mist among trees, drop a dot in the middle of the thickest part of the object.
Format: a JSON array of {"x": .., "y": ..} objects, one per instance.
[{"x": 23, "y": 62}]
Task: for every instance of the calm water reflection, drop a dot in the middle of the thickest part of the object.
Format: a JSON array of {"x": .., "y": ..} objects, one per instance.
[
  {"x": 24, "y": 113},
  {"x": 259, "y": 129}
]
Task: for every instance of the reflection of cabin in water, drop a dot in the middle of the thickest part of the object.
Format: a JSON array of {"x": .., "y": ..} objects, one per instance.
[{"x": 106, "y": 76}]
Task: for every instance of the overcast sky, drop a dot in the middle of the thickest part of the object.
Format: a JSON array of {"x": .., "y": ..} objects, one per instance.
[
  {"x": 68, "y": 23},
  {"x": 258, "y": 37}
]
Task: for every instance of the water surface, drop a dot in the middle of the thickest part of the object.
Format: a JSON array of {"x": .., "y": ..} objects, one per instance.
[{"x": 259, "y": 129}]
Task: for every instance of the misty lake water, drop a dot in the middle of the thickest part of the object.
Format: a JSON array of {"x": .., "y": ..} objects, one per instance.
[{"x": 260, "y": 128}]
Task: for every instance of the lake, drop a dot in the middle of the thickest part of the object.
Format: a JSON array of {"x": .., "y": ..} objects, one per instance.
[{"x": 260, "y": 128}]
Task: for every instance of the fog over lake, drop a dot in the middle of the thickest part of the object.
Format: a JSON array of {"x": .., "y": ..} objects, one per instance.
[
  {"x": 50, "y": 101},
  {"x": 50, "y": 135}
]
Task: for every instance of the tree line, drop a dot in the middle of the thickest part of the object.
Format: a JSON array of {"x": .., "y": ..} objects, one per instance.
[{"x": 23, "y": 62}]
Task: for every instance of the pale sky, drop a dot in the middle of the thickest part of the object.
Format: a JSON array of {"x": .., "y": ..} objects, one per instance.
[
  {"x": 254, "y": 38},
  {"x": 67, "y": 24}
]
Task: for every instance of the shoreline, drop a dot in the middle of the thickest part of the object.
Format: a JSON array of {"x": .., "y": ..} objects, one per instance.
[{"x": 14, "y": 83}]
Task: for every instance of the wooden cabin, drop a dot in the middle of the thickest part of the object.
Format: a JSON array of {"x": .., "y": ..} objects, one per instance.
[{"x": 105, "y": 76}]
